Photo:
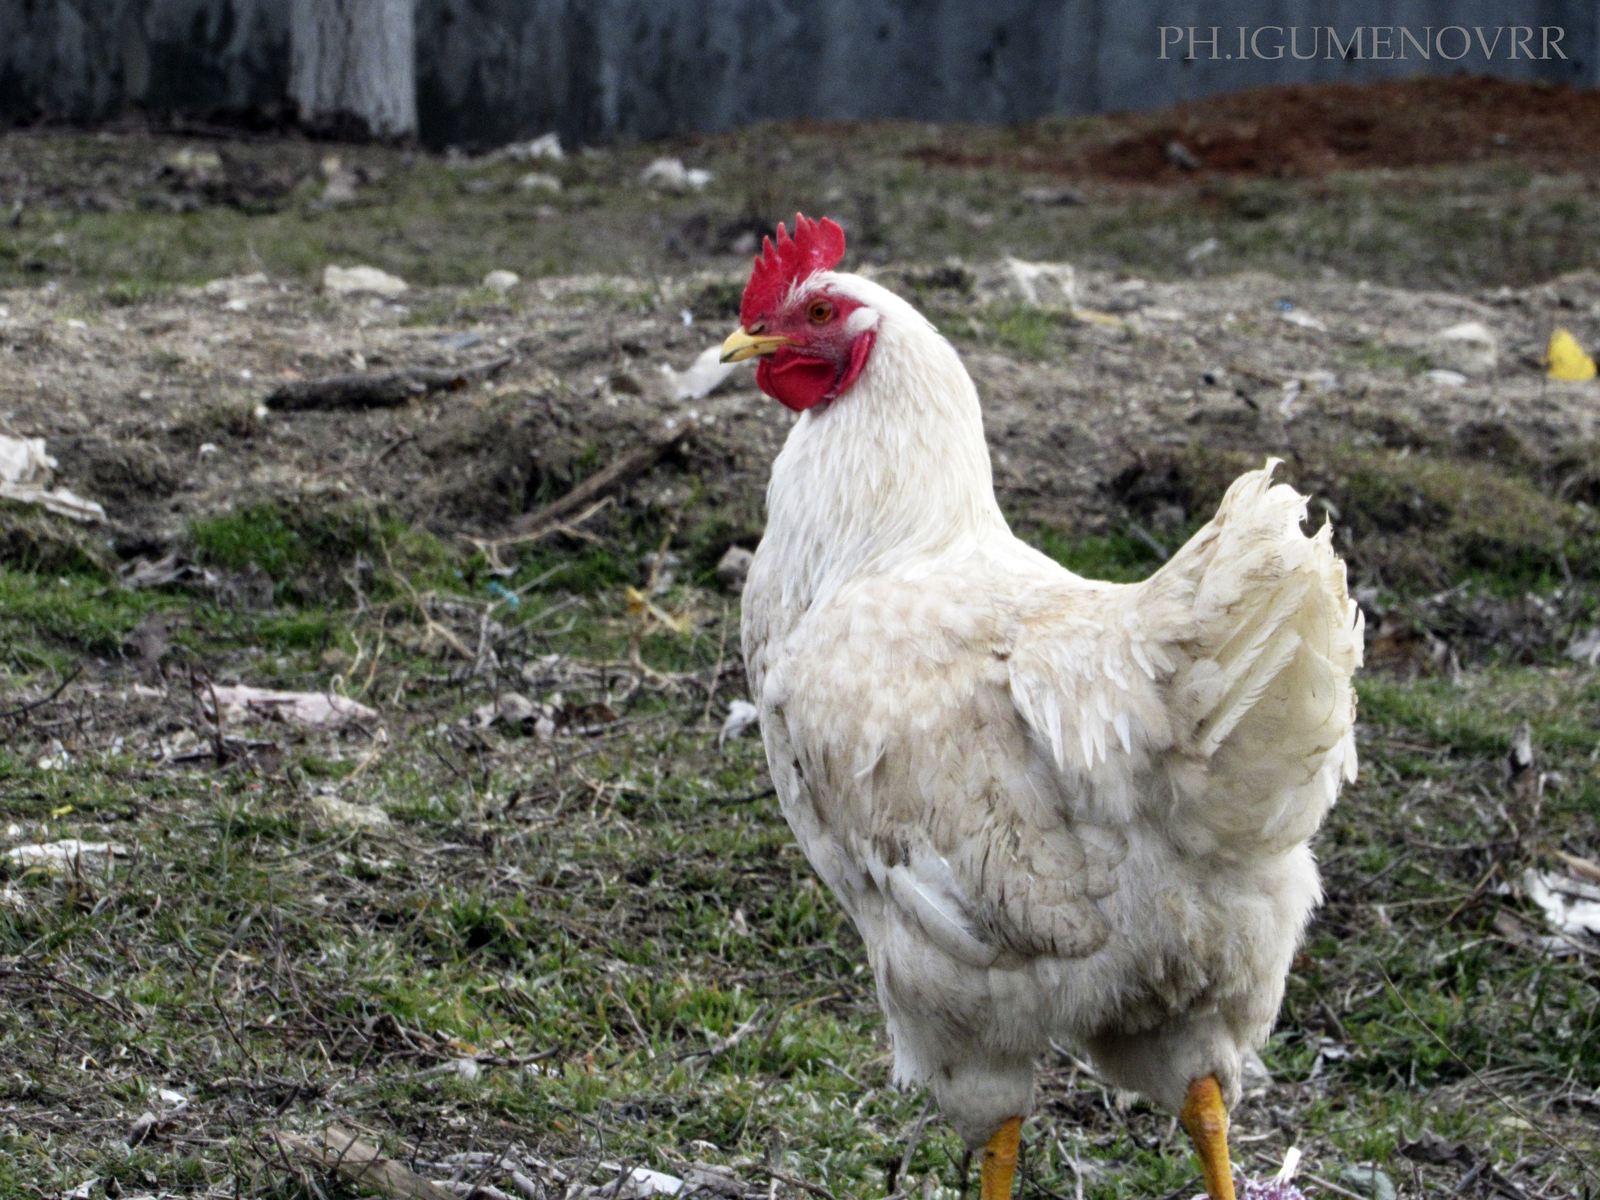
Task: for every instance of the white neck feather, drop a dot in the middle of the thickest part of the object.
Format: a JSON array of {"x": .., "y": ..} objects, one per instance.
[{"x": 894, "y": 472}]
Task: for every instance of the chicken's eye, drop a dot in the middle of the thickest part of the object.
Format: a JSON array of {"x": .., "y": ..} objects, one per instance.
[{"x": 820, "y": 312}]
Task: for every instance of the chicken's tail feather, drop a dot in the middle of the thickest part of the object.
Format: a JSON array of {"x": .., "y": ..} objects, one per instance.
[{"x": 1262, "y": 702}]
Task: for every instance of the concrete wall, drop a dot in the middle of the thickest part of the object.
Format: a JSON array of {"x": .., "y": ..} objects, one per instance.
[
  {"x": 597, "y": 69},
  {"x": 492, "y": 70},
  {"x": 88, "y": 60}
]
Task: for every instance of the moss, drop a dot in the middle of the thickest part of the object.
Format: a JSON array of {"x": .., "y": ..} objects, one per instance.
[
  {"x": 1413, "y": 523},
  {"x": 259, "y": 536},
  {"x": 1420, "y": 523},
  {"x": 314, "y": 551},
  {"x": 76, "y": 610}
]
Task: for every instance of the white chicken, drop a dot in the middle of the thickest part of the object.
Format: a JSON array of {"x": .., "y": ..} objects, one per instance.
[{"x": 1055, "y": 808}]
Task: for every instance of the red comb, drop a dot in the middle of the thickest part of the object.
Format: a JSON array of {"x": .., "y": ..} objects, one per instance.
[{"x": 816, "y": 246}]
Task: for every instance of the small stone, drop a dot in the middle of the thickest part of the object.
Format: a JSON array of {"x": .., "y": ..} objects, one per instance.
[
  {"x": 512, "y": 708},
  {"x": 1469, "y": 349},
  {"x": 1366, "y": 1179},
  {"x": 501, "y": 281}
]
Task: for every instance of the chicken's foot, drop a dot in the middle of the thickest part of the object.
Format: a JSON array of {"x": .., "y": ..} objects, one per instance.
[
  {"x": 1000, "y": 1161},
  {"x": 1205, "y": 1116}
]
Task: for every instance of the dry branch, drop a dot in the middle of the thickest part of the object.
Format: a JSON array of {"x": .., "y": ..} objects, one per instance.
[
  {"x": 634, "y": 463},
  {"x": 387, "y": 390},
  {"x": 362, "y": 1164}
]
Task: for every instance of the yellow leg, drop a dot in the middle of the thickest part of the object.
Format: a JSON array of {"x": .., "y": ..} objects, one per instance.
[
  {"x": 1000, "y": 1161},
  {"x": 1206, "y": 1118}
]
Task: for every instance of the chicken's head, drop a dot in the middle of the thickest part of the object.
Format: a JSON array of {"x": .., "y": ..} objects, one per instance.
[{"x": 813, "y": 338}]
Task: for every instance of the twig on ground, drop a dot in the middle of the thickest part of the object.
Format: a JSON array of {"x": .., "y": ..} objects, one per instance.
[
  {"x": 721, "y": 1045},
  {"x": 716, "y": 671},
  {"x": 816, "y": 1189},
  {"x": 1332, "y": 1187},
  {"x": 386, "y": 390},
  {"x": 634, "y": 463},
  {"x": 490, "y": 547},
  {"x": 912, "y": 1143},
  {"x": 13, "y": 713}
]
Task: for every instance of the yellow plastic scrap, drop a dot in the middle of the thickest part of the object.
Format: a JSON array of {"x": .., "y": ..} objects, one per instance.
[
  {"x": 1091, "y": 317},
  {"x": 640, "y": 607},
  {"x": 1567, "y": 359}
]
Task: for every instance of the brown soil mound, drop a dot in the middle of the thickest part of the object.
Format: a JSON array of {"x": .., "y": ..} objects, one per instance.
[
  {"x": 1305, "y": 130},
  {"x": 1316, "y": 128}
]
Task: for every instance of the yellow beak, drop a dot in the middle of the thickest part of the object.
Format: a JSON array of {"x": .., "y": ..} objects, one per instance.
[{"x": 741, "y": 345}]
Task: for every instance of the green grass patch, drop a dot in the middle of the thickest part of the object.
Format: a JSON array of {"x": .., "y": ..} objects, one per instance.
[
  {"x": 1117, "y": 557},
  {"x": 41, "y": 612}
]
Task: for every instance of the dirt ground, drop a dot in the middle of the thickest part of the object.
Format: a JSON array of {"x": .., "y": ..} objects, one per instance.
[{"x": 1131, "y": 419}]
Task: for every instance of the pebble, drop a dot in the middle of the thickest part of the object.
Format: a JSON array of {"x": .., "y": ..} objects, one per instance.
[{"x": 501, "y": 281}]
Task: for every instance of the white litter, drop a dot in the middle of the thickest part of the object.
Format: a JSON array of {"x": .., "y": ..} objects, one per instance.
[
  {"x": 1291, "y": 393},
  {"x": 25, "y": 470},
  {"x": 1445, "y": 378},
  {"x": 232, "y": 285},
  {"x": 703, "y": 377},
  {"x": 1291, "y": 1164},
  {"x": 539, "y": 181},
  {"x": 1202, "y": 249},
  {"x": 344, "y": 281},
  {"x": 1305, "y": 320},
  {"x": 546, "y": 145},
  {"x": 654, "y": 1183},
  {"x": 1586, "y": 649},
  {"x": 346, "y": 815},
  {"x": 670, "y": 175},
  {"x": 1570, "y": 905},
  {"x": 741, "y": 715},
  {"x": 315, "y": 710},
  {"x": 1044, "y": 285},
  {"x": 59, "y": 858},
  {"x": 501, "y": 281}
]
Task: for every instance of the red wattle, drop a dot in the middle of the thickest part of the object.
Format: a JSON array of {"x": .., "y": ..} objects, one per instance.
[
  {"x": 800, "y": 382},
  {"x": 796, "y": 381},
  {"x": 859, "y": 349}
]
